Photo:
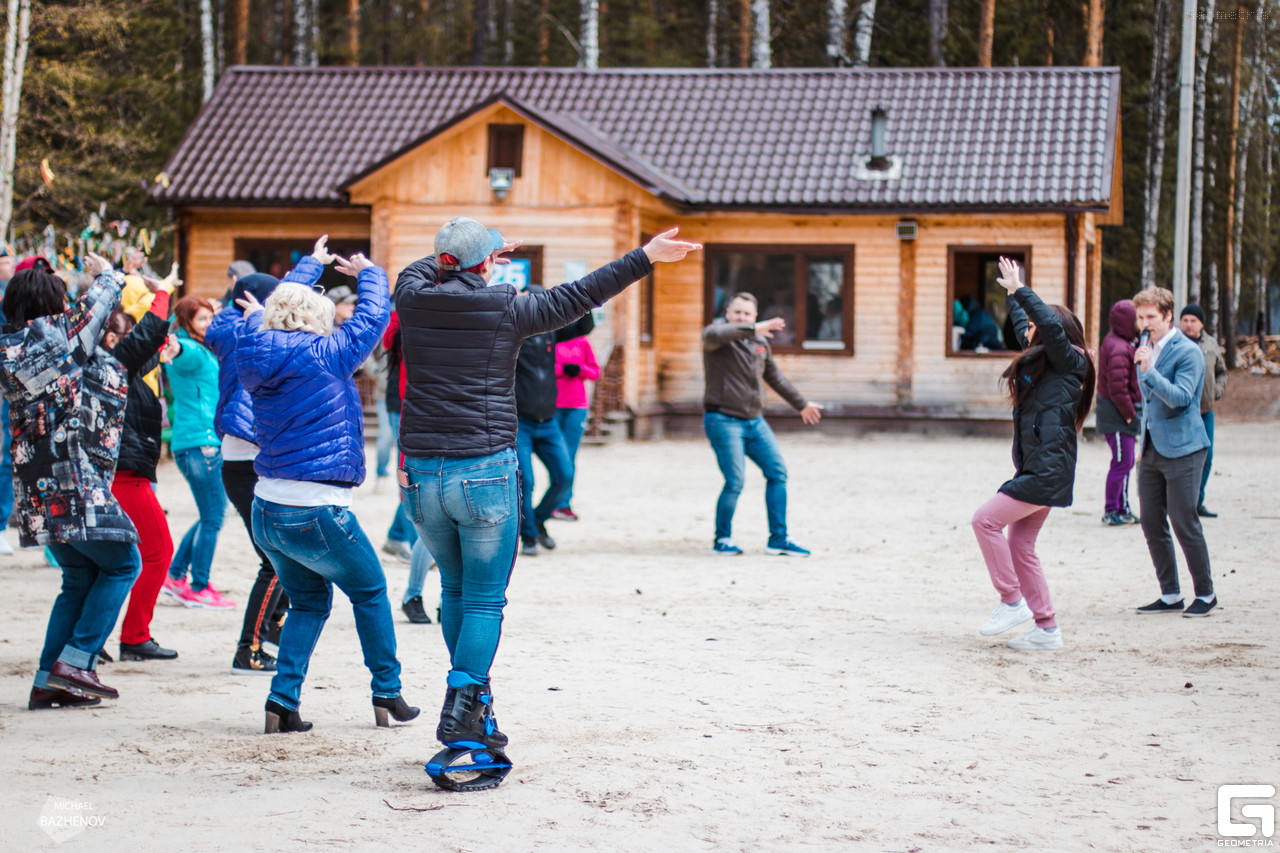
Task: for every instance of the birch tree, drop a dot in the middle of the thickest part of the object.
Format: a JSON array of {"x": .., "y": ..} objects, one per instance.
[
  {"x": 208, "y": 51},
  {"x": 837, "y": 32},
  {"x": 1231, "y": 306},
  {"x": 590, "y": 34},
  {"x": 761, "y": 49},
  {"x": 938, "y": 32},
  {"x": 862, "y": 33},
  {"x": 1156, "y": 113},
  {"x": 17, "y": 37},
  {"x": 305, "y": 28},
  {"x": 713, "y": 23},
  {"x": 1197, "y": 155},
  {"x": 1229, "y": 277}
]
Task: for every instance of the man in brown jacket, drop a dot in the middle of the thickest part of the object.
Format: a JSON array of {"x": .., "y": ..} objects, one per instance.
[
  {"x": 1215, "y": 383},
  {"x": 738, "y": 363}
]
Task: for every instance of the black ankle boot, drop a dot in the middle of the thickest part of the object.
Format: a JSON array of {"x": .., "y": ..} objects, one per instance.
[
  {"x": 281, "y": 719},
  {"x": 395, "y": 707},
  {"x": 467, "y": 720}
]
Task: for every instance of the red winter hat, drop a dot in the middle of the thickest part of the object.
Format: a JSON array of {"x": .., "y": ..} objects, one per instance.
[{"x": 30, "y": 261}]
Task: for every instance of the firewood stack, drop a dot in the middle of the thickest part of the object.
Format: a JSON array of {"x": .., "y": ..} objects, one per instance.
[{"x": 1261, "y": 357}]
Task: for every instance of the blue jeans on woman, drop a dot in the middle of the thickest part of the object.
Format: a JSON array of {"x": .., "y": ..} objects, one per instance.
[
  {"x": 544, "y": 439},
  {"x": 420, "y": 561},
  {"x": 735, "y": 440},
  {"x": 96, "y": 579},
  {"x": 313, "y": 549},
  {"x": 573, "y": 425},
  {"x": 388, "y": 430},
  {"x": 468, "y": 512},
  {"x": 202, "y": 468}
]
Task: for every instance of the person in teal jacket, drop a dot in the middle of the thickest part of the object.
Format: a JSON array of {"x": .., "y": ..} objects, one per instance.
[{"x": 193, "y": 374}]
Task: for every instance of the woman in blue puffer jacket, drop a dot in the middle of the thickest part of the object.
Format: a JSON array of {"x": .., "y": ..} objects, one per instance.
[{"x": 309, "y": 422}]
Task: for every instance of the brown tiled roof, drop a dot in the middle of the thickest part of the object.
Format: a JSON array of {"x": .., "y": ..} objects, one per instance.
[{"x": 1011, "y": 138}]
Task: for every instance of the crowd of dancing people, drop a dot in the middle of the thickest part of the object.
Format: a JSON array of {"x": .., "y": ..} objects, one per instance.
[{"x": 474, "y": 379}]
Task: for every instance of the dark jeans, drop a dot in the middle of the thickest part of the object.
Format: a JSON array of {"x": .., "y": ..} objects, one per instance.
[
  {"x": 314, "y": 549},
  {"x": 573, "y": 425},
  {"x": 1207, "y": 417},
  {"x": 735, "y": 440},
  {"x": 547, "y": 442},
  {"x": 1167, "y": 490},
  {"x": 267, "y": 601},
  {"x": 96, "y": 579},
  {"x": 467, "y": 510}
]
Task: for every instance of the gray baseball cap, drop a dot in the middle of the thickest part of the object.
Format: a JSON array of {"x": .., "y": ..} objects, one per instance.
[
  {"x": 467, "y": 241},
  {"x": 240, "y": 269}
]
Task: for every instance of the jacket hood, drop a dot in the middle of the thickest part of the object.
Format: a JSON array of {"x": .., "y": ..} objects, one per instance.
[{"x": 1124, "y": 319}]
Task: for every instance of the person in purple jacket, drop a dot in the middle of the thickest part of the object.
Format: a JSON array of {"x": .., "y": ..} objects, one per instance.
[
  {"x": 297, "y": 368},
  {"x": 1119, "y": 409}
]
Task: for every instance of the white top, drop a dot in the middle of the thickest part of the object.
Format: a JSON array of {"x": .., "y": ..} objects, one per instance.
[
  {"x": 301, "y": 493},
  {"x": 236, "y": 449},
  {"x": 1158, "y": 346}
]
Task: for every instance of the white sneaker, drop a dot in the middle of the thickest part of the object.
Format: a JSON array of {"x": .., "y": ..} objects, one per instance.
[
  {"x": 5, "y": 548},
  {"x": 1004, "y": 617},
  {"x": 399, "y": 550},
  {"x": 380, "y": 484},
  {"x": 1038, "y": 638}
]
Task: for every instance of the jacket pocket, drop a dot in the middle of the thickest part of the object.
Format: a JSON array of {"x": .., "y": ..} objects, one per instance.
[{"x": 487, "y": 499}]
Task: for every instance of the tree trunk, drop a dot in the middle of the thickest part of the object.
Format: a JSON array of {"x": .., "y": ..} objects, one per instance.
[
  {"x": 744, "y": 33},
  {"x": 16, "y": 39},
  {"x": 1093, "y": 29},
  {"x": 1264, "y": 268},
  {"x": 1232, "y": 230},
  {"x": 762, "y": 52},
  {"x": 239, "y": 35},
  {"x": 208, "y": 51},
  {"x": 353, "y": 32},
  {"x": 590, "y": 34},
  {"x": 713, "y": 22},
  {"x": 544, "y": 34},
  {"x": 1197, "y": 156},
  {"x": 422, "y": 15},
  {"x": 1050, "y": 33},
  {"x": 479, "y": 31},
  {"x": 986, "y": 32},
  {"x": 1231, "y": 305},
  {"x": 508, "y": 27},
  {"x": 287, "y": 11},
  {"x": 1156, "y": 112},
  {"x": 301, "y": 32},
  {"x": 938, "y": 33},
  {"x": 837, "y": 32},
  {"x": 862, "y": 34}
]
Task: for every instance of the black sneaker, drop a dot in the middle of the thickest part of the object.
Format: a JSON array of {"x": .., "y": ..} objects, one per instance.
[
  {"x": 1203, "y": 512},
  {"x": 1158, "y": 606},
  {"x": 251, "y": 661},
  {"x": 1201, "y": 608},
  {"x": 415, "y": 611},
  {"x": 528, "y": 546},
  {"x": 1127, "y": 517},
  {"x": 544, "y": 540},
  {"x": 1113, "y": 519},
  {"x": 150, "y": 650}
]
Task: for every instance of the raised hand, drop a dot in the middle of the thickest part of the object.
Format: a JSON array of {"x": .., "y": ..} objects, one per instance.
[
  {"x": 1010, "y": 274},
  {"x": 766, "y": 328},
  {"x": 665, "y": 248},
  {"x": 133, "y": 261},
  {"x": 509, "y": 246},
  {"x": 95, "y": 265},
  {"x": 352, "y": 266},
  {"x": 249, "y": 303},
  {"x": 321, "y": 251},
  {"x": 171, "y": 349},
  {"x": 153, "y": 284}
]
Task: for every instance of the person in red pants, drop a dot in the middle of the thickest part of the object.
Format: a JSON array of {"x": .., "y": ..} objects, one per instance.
[{"x": 138, "y": 349}]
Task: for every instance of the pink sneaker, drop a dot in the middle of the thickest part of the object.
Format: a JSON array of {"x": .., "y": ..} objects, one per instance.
[
  {"x": 175, "y": 587},
  {"x": 208, "y": 598}
]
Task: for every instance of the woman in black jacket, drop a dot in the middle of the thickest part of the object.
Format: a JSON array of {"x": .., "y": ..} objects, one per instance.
[{"x": 1050, "y": 384}]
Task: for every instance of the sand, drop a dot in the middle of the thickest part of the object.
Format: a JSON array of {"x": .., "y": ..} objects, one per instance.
[{"x": 660, "y": 698}]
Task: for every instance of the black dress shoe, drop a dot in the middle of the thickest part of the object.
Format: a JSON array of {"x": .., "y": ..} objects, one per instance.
[
  {"x": 150, "y": 650},
  {"x": 415, "y": 611},
  {"x": 69, "y": 677},
  {"x": 281, "y": 719},
  {"x": 1204, "y": 513},
  {"x": 105, "y": 657},
  {"x": 394, "y": 707},
  {"x": 43, "y": 698}
]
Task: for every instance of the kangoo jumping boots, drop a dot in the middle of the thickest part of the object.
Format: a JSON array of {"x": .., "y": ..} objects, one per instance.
[{"x": 473, "y": 757}]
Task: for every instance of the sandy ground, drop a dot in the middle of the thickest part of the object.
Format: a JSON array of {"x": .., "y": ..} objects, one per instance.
[{"x": 659, "y": 698}]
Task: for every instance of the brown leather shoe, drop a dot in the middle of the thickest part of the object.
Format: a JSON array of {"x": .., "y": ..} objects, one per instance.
[
  {"x": 84, "y": 680},
  {"x": 42, "y": 698}
]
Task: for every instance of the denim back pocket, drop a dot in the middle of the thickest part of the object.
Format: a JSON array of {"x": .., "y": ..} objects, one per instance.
[
  {"x": 303, "y": 541},
  {"x": 488, "y": 499}
]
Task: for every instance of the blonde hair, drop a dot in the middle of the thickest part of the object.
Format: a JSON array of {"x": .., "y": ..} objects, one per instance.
[
  {"x": 1160, "y": 297},
  {"x": 295, "y": 307}
]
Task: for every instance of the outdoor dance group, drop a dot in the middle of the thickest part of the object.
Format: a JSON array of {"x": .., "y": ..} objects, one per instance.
[{"x": 285, "y": 370}]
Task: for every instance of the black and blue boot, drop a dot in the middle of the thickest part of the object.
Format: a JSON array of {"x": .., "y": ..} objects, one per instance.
[{"x": 472, "y": 759}]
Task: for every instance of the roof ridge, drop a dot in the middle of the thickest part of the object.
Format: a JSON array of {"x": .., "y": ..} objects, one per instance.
[{"x": 639, "y": 72}]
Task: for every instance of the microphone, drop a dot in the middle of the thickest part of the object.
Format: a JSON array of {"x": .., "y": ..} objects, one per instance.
[{"x": 1145, "y": 338}]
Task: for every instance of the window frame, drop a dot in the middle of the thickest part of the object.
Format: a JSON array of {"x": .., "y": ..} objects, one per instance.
[
  {"x": 952, "y": 251},
  {"x": 496, "y": 131},
  {"x": 805, "y": 251}
]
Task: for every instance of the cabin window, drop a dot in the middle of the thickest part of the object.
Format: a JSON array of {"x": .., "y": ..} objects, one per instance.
[
  {"x": 977, "y": 320},
  {"x": 811, "y": 287},
  {"x": 506, "y": 147},
  {"x": 277, "y": 257},
  {"x": 525, "y": 268}
]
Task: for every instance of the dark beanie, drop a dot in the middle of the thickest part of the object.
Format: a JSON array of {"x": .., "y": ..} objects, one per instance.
[
  {"x": 259, "y": 284},
  {"x": 1194, "y": 310}
]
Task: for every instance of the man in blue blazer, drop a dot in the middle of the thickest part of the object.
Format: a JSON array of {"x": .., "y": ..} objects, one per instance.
[{"x": 1173, "y": 449}]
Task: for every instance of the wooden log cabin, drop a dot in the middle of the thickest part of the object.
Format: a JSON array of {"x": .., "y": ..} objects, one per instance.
[{"x": 867, "y": 207}]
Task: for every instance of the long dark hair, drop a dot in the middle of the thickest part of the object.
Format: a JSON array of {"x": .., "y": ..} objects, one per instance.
[
  {"x": 34, "y": 293},
  {"x": 1033, "y": 363}
]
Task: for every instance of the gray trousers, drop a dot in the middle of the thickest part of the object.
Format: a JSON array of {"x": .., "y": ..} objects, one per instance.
[{"x": 1168, "y": 492}]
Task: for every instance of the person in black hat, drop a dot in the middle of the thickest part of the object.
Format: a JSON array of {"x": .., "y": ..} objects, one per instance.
[{"x": 1215, "y": 383}]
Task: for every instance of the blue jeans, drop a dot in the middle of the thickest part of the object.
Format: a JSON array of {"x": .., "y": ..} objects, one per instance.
[
  {"x": 734, "y": 440},
  {"x": 401, "y": 529},
  {"x": 573, "y": 425},
  {"x": 419, "y": 564},
  {"x": 388, "y": 429},
  {"x": 202, "y": 468},
  {"x": 313, "y": 549},
  {"x": 546, "y": 440},
  {"x": 468, "y": 512},
  {"x": 1207, "y": 417},
  {"x": 96, "y": 579},
  {"x": 6, "y": 467}
]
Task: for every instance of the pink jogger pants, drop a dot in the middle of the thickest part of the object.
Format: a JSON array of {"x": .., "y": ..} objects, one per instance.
[{"x": 1012, "y": 563}]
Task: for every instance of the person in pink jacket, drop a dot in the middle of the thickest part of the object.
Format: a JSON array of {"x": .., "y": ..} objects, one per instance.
[{"x": 575, "y": 365}]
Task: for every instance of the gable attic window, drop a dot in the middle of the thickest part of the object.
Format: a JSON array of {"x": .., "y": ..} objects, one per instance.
[{"x": 506, "y": 147}]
